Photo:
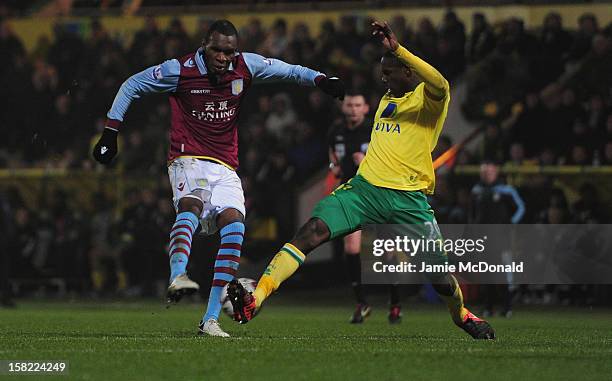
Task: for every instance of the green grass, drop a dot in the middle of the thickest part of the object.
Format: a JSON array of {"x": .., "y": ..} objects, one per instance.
[{"x": 145, "y": 341}]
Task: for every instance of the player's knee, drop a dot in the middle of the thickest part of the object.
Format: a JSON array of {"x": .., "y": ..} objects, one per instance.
[
  {"x": 190, "y": 204},
  {"x": 312, "y": 234},
  {"x": 352, "y": 243},
  {"x": 228, "y": 216},
  {"x": 352, "y": 248}
]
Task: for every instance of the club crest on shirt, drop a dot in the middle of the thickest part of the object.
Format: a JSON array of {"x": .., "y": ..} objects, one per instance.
[
  {"x": 189, "y": 63},
  {"x": 389, "y": 111},
  {"x": 237, "y": 86}
]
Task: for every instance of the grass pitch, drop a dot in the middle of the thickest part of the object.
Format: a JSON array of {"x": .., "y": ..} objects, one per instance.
[{"x": 145, "y": 341}]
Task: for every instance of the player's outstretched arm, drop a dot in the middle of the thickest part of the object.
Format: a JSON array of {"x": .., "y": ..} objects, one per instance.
[
  {"x": 436, "y": 85},
  {"x": 156, "y": 79},
  {"x": 274, "y": 69}
]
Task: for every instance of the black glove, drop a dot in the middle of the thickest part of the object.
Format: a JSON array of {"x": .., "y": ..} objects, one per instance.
[
  {"x": 106, "y": 148},
  {"x": 332, "y": 86}
]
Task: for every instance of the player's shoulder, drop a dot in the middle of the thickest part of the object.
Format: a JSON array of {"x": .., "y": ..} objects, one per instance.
[
  {"x": 187, "y": 60},
  {"x": 166, "y": 69},
  {"x": 174, "y": 66},
  {"x": 418, "y": 94},
  {"x": 408, "y": 98},
  {"x": 183, "y": 58},
  {"x": 242, "y": 58},
  {"x": 255, "y": 62},
  {"x": 418, "y": 99},
  {"x": 255, "y": 58}
]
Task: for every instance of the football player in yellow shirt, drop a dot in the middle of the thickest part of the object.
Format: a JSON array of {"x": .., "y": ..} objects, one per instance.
[{"x": 390, "y": 187}]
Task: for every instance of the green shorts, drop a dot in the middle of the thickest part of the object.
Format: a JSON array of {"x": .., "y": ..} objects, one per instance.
[{"x": 357, "y": 203}]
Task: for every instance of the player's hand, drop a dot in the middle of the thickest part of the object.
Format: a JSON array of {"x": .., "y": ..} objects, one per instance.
[
  {"x": 384, "y": 32},
  {"x": 106, "y": 148},
  {"x": 332, "y": 86}
]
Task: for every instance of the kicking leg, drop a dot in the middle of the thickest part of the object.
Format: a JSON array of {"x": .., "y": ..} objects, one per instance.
[
  {"x": 290, "y": 257},
  {"x": 342, "y": 212},
  {"x": 181, "y": 236}
]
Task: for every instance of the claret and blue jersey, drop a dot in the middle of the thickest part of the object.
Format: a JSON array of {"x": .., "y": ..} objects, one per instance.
[{"x": 205, "y": 110}]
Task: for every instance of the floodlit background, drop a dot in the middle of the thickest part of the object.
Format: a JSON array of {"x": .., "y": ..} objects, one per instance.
[{"x": 83, "y": 248}]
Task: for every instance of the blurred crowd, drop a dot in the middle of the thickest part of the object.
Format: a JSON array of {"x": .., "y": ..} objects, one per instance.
[{"x": 542, "y": 96}]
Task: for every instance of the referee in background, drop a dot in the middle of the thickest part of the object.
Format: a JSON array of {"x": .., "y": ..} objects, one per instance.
[{"x": 348, "y": 142}]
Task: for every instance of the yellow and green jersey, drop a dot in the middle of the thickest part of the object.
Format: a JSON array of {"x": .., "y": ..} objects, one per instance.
[{"x": 404, "y": 134}]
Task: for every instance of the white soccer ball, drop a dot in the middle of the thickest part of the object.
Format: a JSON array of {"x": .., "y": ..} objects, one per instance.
[{"x": 226, "y": 306}]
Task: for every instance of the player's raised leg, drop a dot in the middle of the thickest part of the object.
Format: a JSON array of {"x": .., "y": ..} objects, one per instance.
[
  {"x": 227, "y": 262},
  {"x": 342, "y": 212},
  {"x": 286, "y": 262},
  {"x": 181, "y": 236}
]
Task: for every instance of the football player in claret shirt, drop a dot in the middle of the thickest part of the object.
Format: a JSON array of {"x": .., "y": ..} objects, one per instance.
[
  {"x": 390, "y": 187},
  {"x": 348, "y": 142},
  {"x": 206, "y": 89}
]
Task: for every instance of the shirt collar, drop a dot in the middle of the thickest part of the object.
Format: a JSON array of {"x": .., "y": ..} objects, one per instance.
[{"x": 199, "y": 59}]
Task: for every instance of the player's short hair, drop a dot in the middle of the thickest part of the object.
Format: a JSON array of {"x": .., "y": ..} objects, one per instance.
[{"x": 223, "y": 27}]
